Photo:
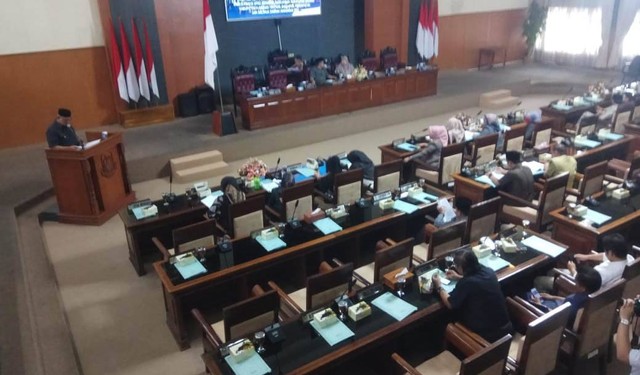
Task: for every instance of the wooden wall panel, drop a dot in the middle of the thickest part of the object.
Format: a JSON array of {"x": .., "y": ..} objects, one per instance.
[
  {"x": 387, "y": 24},
  {"x": 34, "y": 85},
  {"x": 180, "y": 28},
  {"x": 461, "y": 36}
]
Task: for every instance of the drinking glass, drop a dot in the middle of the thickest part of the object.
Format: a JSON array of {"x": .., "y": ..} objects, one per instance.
[
  {"x": 525, "y": 225},
  {"x": 258, "y": 339},
  {"x": 400, "y": 282},
  {"x": 342, "y": 309},
  {"x": 448, "y": 261}
]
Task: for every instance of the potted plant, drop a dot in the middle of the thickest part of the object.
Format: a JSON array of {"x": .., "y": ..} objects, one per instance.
[{"x": 533, "y": 25}]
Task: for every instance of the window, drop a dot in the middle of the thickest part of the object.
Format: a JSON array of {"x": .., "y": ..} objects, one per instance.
[{"x": 572, "y": 31}]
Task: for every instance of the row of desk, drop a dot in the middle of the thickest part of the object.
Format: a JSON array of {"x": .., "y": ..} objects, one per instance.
[
  {"x": 305, "y": 352},
  {"x": 267, "y": 111}
]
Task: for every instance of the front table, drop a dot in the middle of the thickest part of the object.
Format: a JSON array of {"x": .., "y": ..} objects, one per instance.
[{"x": 295, "y": 106}]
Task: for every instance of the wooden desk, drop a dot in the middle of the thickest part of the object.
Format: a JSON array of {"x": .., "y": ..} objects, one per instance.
[
  {"x": 561, "y": 118},
  {"x": 304, "y": 353},
  {"x": 465, "y": 187},
  {"x": 582, "y": 237},
  {"x": 607, "y": 151},
  {"x": 330, "y": 100},
  {"x": 390, "y": 153},
  {"x": 233, "y": 274}
]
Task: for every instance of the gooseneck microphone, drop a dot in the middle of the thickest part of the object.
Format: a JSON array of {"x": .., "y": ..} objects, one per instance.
[{"x": 293, "y": 215}]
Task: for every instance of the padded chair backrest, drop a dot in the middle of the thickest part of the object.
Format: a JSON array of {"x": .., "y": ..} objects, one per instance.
[
  {"x": 325, "y": 287},
  {"x": 445, "y": 239},
  {"x": 636, "y": 114},
  {"x": 635, "y": 165},
  {"x": 595, "y": 328},
  {"x": 278, "y": 79},
  {"x": 247, "y": 216},
  {"x": 593, "y": 178},
  {"x": 302, "y": 193},
  {"x": 387, "y": 176},
  {"x": 193, "y": 236},
  {"x": 388, "y": 58},
  {"x": 587, "y": 125},
  {"x": 250, "y": 315},
  {"x": 632, "y": 275},
  {"x": 542, "y": 133},
  {"x": 514, "y": 138},
  {"x": 370, "y": 63},
  {"x": 393, "y": 257},
  {"x": 539, "y": 352},
  {"x": 450, "y": 162},
  {"x": 348, "y": 186},
  {"x": 482, "y": 220},
  {"x": 488, "y": 361},
  {"x": 243, "y": 83},
  {"x": 622, "y": 117},
  {"x": 552, "y": 196},
  {"x": 484, "y": 149}
]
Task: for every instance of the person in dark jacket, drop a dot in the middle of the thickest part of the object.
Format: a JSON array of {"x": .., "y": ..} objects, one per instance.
[
  {"x": 360, "y": 160},
  {"x": 231, "y": 193}
]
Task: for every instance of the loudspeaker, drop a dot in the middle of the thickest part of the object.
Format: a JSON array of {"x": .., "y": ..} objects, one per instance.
[
  {"x": 187, "y": 104},
  {"x": 228, "y": 124}
]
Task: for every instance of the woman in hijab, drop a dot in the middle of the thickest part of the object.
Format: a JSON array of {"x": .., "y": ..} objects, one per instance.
[
  {"x": 455, "y": 130},
  {"x": 440, "y": 133},
  {"x": 429, "y": 155},
  {"x": 491, "y": 125},
  {"x": 232, "y": 193},
  {"x": 360, "y": 160},
  {"x": 531, "y": 119}
]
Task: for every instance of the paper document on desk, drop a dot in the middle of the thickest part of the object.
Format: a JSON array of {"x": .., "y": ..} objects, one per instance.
[
  {"x": 424, "y": 197},
  {"x": 269, "y": 185},
  {"x": 535, "y": 166},
  {"x": 586, "y": 143},
  {"x": 485, "y": 180},
  {"x": 333, "y": 333},
  {"x": 190, "y": 269},
  {"x": 327, "y": 226},
  {"x": 272, "y": 244},
  {"x": 394, "y": 306},
  {"x": 210, "y": 199},
  {"x": 494, "y": 262},
  {"x": 88, "y": 145},
  {"x": 404, "y": 207},
  {"x": 407, "y": 147},
  {"x": 613, "y": 136},
  {"x": 254, "y": 365},
  {"x": 596, "y": 217},
  {"x": 307, "y": 172},
  {"x": 543, "y": 246}
]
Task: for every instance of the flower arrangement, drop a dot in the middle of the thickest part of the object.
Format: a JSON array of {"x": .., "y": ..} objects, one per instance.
[
  {"x": 598, "y": 89},
  {"x": 360, "y": 73},
  {"x": 254, "y": 168}
]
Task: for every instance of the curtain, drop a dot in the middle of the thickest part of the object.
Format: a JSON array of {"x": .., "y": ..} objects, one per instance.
[
  {"x": 573, "y": 35},
  {"x": 627, "y": 33}
]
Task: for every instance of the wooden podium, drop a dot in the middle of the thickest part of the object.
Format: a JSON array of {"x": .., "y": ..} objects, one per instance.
[{"x": 92, "y": 184}]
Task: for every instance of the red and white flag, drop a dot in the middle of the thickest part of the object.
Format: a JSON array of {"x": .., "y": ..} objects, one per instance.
[
  {"x": 116, "y": 66},
  {"x": 129, "y": 70},
  {"x": 435, "y": 25},
  {"x": 427, "y": 35},
  {"x": 141, "y": 69},
  {"x": 151, "y": 67},
  {"x": 210, "y": 45}
]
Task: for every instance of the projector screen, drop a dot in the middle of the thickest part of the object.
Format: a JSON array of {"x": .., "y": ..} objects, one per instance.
[{"x": 248, "y": 10}]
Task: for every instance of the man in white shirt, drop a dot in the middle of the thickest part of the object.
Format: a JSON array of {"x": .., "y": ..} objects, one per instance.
[
  {"x": 623, "y": 347},
  {"x": 612, "y": 261}
]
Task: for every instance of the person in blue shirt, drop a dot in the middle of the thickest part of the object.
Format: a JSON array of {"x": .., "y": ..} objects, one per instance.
[{"x": 588, "y": 281}]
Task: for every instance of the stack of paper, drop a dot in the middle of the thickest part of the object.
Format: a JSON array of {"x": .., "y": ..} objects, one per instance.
[
  {"x": 543, "y": 246},
  {"x": 333, "y": 333},
  {"x": 254, "y": 365},
  {"x": 394, "y": 306},
  {"x": 404, "y": 206},
  {"x": 327, "y": 225}
]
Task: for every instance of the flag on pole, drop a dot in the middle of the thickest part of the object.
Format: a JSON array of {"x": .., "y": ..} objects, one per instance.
[
  {"x": 141, "y": 69},
  {"x": 129, "y": 70},
  {"x": 116, "y": 66},
  {"x": 210, "y": 46},
  {"x": 151, "y": 67},
  {"x": 435, "y": 22},
  {"x": 424, "y": 36}
]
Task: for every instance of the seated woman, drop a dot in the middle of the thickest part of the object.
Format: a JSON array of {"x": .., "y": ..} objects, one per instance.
[
  {"x": 491, "y": 125},
  {"x": 231, "y": 193},
  {"x": 531, "y": 119},
  {"x": 477, "y": 299},
  {"x": 325, "y": 184},
  {"x": 429, "y": 155},
  {"x": 359, "y": 159},
  {"x": 298, "y": 64},
  {"x": 274, "y": 199},
  {"x": 456, "y": 130},
  {"x": 344, "y": 68}
]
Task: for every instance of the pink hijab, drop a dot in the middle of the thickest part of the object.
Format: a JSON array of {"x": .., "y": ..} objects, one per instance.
[{"x": 440, "y": 133}]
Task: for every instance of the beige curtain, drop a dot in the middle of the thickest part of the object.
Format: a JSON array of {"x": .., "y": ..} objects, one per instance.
[{"x": 626, "y": 15}]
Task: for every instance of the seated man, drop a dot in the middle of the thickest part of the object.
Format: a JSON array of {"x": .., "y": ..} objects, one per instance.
[
  {"x": 518, "y": 180},
  {"x": 611, "y": 263},
  {"x": 319, "y": 75},
  {"x": 477, "y": 298},
  {"x": 298, "y": 64},
  {"x": 560, "y": 163},
  {"x": 605, "y": 114},
  {"x": 531, "y": 119},
  {"x": 588, "y": 281}
]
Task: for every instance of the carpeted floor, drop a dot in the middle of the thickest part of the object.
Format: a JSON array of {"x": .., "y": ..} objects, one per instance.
[{"x": 116, "y": 319}]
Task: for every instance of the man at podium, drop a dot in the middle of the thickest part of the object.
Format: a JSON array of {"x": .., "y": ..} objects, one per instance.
[{"x": 61, "y": 134}]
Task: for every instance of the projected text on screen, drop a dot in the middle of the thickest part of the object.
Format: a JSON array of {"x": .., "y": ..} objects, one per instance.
[{"x": 247, "y": 10}]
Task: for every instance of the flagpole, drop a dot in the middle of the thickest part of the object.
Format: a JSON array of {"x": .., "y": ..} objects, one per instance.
[{"x": 219, "y": 90}]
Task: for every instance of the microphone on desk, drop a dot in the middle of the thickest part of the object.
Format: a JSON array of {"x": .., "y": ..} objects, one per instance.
[
  {"x": 81, "y": 144},
  {"x": 479, "y": 113},
  {"x": 293, "y": 215},
  {"x": 171, "y": 184},
  {"x": 275, "y": 172},
  {"x": 569, "y": 92},
  {"x": 293, "y": 222}
]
